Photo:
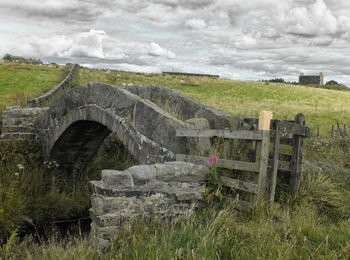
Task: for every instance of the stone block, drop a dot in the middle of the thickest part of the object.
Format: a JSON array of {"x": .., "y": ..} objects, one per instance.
[
  {"x": 142, "y": 174},
  {"x": 117, "y": 178},
  {"x": 181, "y": 172}
]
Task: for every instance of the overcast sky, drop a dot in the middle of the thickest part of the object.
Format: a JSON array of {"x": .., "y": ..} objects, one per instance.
[{"x": 247, "y": 40}]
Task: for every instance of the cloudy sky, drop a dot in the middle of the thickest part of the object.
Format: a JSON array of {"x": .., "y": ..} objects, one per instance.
[{"x": 248, "y": 40}]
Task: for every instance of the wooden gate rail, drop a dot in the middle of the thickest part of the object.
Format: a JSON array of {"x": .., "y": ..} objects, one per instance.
[
  {"x": 222, "y": 163},
  {"x": 223, "y": 133}
]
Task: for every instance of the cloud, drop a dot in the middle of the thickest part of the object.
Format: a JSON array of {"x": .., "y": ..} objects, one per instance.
[
  {"x": 156, "y": 50},
  {"x": 248, "y": 38},
  {"x": 196, "y": 24},
  {"x": 190, "y": 4},
  {"x": 64, "y": 11},
  {"x": 317, "y": 19},
  {"x": 94, "y": 44}
]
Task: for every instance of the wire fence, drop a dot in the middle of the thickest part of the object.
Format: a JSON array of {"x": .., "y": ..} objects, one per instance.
[
  {"x": 329, "y": 144},
  {"x": 334, "y": 130}
]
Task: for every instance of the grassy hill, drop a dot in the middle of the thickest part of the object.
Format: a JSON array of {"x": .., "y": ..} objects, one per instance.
[
  {"x": 19, "y": 82},
  {"x": 314, "y": 225}
]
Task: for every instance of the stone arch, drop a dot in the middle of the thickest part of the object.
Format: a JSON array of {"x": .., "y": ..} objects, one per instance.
[
  {"x": 144, "y": 150},
  {"x": 96, "y": 110}
]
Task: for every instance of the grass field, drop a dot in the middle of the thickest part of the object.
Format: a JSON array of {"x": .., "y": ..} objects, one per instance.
[
  {"x": 20, "y": 82},
  {"x": 314, "y": 225},
  {"x": 320, "y": 106}
]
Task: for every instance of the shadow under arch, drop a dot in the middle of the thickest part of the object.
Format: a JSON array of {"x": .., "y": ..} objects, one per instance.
[{"x": 78, "y": 144}]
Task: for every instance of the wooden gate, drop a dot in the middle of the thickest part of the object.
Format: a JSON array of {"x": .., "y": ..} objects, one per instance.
[{"x": 278, "y": 151}]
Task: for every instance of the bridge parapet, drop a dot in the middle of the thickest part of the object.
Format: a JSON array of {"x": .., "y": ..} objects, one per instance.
[{"x": 186, "y": 108}]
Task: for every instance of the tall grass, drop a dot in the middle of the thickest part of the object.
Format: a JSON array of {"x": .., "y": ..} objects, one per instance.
[
  {"x": 314, "y": 225},
  {"x": 33, "y": 194}
]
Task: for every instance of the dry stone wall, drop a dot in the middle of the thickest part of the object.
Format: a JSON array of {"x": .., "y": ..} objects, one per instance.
[{"x": 162, "y": 192}]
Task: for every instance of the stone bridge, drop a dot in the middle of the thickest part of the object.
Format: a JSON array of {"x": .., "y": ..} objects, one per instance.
[{"x": 145, "y": 120}]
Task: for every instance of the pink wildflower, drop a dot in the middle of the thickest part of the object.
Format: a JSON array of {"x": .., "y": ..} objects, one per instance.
[
  {"x": 211, "y": 160},
  {"x": 216, "y": 159}
]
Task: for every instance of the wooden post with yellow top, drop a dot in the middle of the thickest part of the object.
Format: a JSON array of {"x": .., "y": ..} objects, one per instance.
[{"x": 264, "y": 126}]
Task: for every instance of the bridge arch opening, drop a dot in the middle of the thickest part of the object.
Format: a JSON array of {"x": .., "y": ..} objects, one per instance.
[{"x": 85, "y": 145}]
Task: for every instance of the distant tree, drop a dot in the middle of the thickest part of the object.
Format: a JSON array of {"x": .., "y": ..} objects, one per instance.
[
  {"x": 277, "y": 80},
  {"x": 332, "y": 83}
]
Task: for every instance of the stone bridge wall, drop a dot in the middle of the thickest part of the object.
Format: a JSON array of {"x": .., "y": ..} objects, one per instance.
[
  {"x": 186, "y": 108},
  {"x": 19, "y": 122},
  {"x": 162, "y": 192}
]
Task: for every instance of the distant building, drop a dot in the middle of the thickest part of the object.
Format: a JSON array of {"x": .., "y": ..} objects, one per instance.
[
  {"x": 12, "y": 58},
  {"x": 190, "y": 74},
  {"x": 308, "y": 80}
]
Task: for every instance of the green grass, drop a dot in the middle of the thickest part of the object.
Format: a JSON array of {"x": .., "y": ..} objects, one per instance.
[
  {"x": 320, "y": 106},
  {"x": 20, "y": 82}
]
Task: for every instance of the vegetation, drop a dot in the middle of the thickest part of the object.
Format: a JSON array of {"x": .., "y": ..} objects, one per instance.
[
  {"x": 20, "y": 82},
  {"x": 314, "y": 225}
]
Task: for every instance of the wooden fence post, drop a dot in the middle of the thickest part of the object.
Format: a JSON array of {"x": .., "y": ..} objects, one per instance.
[
  {"x": 264, "y": 126},
  {"x": 296, "y": 158},
  {"x": 272, "y": 180}
]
